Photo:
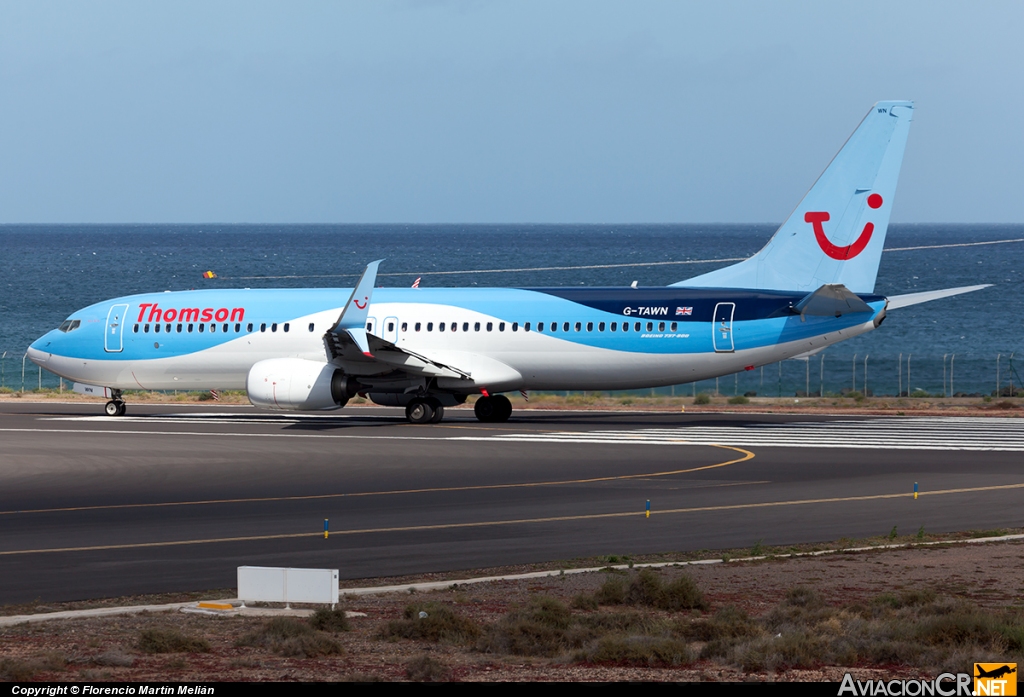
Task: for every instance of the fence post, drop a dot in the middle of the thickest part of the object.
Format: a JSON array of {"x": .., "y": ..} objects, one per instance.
[
  {"x": 866, "y": 374},
  {"x": 821, "y": 377},
  {"x": 944, "y": 374},
  {"x": 3, "y": 366},
  {"x": 951, "y": 359},
  {"x": 899, "y": 375},
  {"x": 908, "y": 373},
  {"x": 23, "y": 372},
  {"x": 997, "y": 373}
]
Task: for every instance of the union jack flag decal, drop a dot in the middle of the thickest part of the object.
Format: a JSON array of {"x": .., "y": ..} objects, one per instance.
[{"x": 684, "y": 311}]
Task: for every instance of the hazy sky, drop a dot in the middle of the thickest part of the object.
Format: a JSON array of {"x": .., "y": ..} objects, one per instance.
[{"x": 465, "y": 111}]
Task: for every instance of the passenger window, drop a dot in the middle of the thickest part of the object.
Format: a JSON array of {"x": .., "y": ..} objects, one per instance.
[
  {"x": 590, "y": 326},
  {"x": 190, "y": 329},
  {"x": 565, "y": 327},
  {"x": 202, "y": 328},
  {"x": 515, "y": 326},
  {"x": 248, "y": 327},
  {"x": 650, "y": 326},
  {"x": 145, "y": 329},
  {"x": 178, "y": 329},
  {"x": 238, "y": 327},
  {"x": 156, "y": 328},
  {"x": 311, "y": 326},
  {"x": 526, "y": 327},
  {"x": 625, "y": 326},
  {"x": 661, "y": 326},
  {"x": 225, "y": 329},
  {"x": 430, "y": 326},
  {"x": 417, "y": 326},
  {"x": 501, "y": 326},
  {"x": 465, "y": 327},
  {"x": 476, "y": 326},
  {"x": 636, "y": 327},
  {"x": 287, "y": 326},
  {"x": 554, "y": 326},
  {"x": 490, "y": 326},
  {"x": 273, "y": 327},
  {"x": 455, "y": 326},
  {"x": 405, "y": 327},
  {"x": 440, "y": 326},
  {"x": 578, "y": 326},
  {"x": 263, "y": 327},
  {"x": 213, "y": 328},
  {"x": 674, "y": 326},
  {"x": 136, "y": 329},
  {"x": 540, "y": 326},
  {"x": 391, "y": 326}
]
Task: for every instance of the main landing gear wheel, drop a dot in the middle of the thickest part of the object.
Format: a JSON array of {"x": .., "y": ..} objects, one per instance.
[
  {"x": 115, "y": 408},
  {"x": 438, "y": 410},
  {"x": 493, "y": 410},
  {"x": 420, "y": 411}
]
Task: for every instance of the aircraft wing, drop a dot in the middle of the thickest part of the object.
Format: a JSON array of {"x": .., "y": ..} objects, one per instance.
[
  {"x": 349, "y": 342},
  {"x": 898, "y": 301}
]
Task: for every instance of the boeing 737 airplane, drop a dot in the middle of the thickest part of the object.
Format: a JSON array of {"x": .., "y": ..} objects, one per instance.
[{"x": 425, "y": 349}]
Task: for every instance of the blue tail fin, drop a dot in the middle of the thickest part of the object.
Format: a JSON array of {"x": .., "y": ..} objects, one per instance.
[{"x": 837, "y": 232}]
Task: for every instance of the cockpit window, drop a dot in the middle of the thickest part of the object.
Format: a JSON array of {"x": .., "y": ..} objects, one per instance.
[{"x": 69, "y": 325}]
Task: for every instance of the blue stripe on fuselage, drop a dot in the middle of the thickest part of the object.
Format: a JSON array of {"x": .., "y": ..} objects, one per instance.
[{"x": 761, "y": 318}]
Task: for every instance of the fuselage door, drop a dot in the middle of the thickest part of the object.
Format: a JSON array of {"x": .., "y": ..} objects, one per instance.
[
  {"x": 112, "y": 341},
  {"x": 390, "y": 328},
  {"x": 721, "y": 327}
]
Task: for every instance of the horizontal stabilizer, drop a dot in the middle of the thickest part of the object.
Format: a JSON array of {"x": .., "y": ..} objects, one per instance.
[
  {"x": 898, "y": 301},
  {"x": 831, "y": 300}
]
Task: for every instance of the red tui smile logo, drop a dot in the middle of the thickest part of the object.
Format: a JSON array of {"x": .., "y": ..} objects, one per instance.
[{"x": 816, "y": 218}]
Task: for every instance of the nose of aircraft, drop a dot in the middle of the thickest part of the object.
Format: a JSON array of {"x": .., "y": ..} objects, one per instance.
[{"x": 37, "y": 352}]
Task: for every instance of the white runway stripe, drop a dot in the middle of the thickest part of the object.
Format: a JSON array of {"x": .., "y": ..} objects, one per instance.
[{"x": 998, "y": 434}]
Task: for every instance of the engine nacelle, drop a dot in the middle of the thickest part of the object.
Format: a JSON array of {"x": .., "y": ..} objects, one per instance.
[{"x": 296, "y": 384}]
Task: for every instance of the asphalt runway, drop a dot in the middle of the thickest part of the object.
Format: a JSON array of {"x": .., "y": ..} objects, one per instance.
[{"x": 175, "y": 497}]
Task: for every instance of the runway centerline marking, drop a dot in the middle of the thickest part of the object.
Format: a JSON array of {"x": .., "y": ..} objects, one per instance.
[
  {"x": 520, "y": 521},
  {"x": 746, "y": 455}
]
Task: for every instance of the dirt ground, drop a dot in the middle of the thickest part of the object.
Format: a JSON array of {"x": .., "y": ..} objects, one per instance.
[{"x": 988, "y": 576}]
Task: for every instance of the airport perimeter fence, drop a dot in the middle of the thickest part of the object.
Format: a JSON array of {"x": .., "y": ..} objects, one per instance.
[{"x": 825, "y": 374}]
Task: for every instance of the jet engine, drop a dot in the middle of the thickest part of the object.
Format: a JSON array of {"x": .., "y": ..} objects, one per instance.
[{"x": 297, "y": 384}]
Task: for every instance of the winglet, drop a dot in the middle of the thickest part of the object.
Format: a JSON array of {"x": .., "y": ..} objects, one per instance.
[{"x": 353, "y": 316}]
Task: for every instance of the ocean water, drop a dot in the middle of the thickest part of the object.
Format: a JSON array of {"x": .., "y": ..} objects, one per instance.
[{"x": 48, "y": 271}]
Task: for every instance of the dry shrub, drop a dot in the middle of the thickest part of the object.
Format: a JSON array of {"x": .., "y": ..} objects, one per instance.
[
  {"x": 290, "y": 637},
  {"x": 115, "y": 657},
  {"x": 171, "y": 641},
  {"x": 639, "y": 650},
  {"x": 333, "y": 621},
  {"x": 647, "y": 589},
  {"x": 424, "y": 668},
  {"x": 536, "y": 629},
  {"x": 440, "y": 623}
]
